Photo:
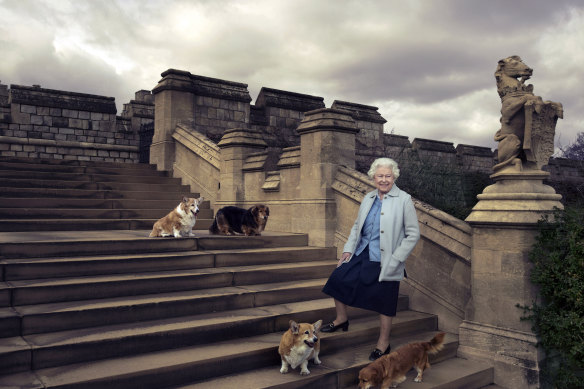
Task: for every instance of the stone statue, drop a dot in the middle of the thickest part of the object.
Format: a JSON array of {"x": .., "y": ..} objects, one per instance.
[{"x": 526, "y": 136}]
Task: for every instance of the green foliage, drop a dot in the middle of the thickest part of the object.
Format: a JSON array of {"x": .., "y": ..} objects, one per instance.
[
  {"x": 558, "y": 319},
  {"x": 576, "y": 149}
]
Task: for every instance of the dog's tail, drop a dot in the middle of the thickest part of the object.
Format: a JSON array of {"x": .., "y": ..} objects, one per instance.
[
  {"x": 214, "y": 229},
  {"x": 436, "y": 344}
]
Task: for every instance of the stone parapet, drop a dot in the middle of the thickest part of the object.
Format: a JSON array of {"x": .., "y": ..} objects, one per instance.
[
  {"x": 433, "y": 145},
  {"x": 65, "y": 125},
  {"x": 180, "y": 80},
  {"x": 360, "y": 112},
  {"x": 51, "y": 98},
  {"x": 392, "y": 140},
  {"x": 478, "y": 151},
  {"x": 52, "y": 149},
  {"x": 276, "y": 98}
]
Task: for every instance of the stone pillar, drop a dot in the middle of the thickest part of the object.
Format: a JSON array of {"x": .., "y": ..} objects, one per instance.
[
  {"x": 235, "y": 146},
  {"x": 504, "y": 229},
  {"x": 173, "y": 102},
  {"x": 327, "y": 141}
]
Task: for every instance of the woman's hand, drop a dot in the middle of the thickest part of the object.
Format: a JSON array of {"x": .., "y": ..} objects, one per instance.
[{"x": 344, "y": 258}]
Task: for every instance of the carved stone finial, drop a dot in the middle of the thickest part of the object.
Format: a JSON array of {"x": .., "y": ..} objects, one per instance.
[{"x": 526, "y": 136}]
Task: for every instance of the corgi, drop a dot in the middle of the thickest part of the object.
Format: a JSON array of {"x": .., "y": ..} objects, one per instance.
[
  {"x": 298, "y": 345},
  {"x": 180, "y": 221},
  {"x": 391, "y": 369}
]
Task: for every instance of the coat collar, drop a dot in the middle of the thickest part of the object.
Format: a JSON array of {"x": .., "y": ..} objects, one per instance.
[{"x": 393, "y": 192}]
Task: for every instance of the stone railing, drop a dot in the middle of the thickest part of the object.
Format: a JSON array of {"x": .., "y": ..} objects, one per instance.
[{"x": 197, "y": 161}]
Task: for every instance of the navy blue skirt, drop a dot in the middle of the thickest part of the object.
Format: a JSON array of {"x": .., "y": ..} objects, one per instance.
[{"x": 356, "y": 284}]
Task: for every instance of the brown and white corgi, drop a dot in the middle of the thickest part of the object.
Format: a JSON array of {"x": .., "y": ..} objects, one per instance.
[
  {"x": 298, "y": 345},
  {"x": 180, "y": 221}
]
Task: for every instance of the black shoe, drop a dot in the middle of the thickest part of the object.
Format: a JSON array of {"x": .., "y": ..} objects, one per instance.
[
  {"x": 376, "y": 354},
  {"x": 331, "y": 327}
]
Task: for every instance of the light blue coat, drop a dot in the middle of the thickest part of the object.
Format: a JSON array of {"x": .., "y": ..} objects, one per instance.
[{"x": 399, "y": 231}]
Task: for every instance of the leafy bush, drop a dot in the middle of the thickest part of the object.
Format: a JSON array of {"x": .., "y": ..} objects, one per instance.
[{"x": 558, "y": 319}]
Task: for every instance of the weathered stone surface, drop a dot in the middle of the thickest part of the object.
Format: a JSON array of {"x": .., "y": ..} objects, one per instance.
[{"x": 527, "y": 122}]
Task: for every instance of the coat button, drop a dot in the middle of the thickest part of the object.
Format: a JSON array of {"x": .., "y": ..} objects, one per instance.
[{"x": 381, "y": 231}]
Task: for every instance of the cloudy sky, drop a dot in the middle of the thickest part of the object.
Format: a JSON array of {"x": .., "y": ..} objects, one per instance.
[{"x": 427, "y": 65}]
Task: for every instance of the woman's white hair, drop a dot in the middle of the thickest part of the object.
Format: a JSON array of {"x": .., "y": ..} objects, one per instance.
[{"x": 384, "y": 162}]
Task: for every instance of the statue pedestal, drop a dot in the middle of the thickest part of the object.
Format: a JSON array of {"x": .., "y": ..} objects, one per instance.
[
  {"x": 504, "y": 225},
  {"x": 518, "y": 197}
]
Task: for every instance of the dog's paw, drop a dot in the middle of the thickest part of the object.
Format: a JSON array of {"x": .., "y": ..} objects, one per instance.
[
  {"x": 417, "y": 379},
  {"x": 316, "y": 361},
  {"x": 304, "y": 372},
  {"x": 284, "y": 370}
]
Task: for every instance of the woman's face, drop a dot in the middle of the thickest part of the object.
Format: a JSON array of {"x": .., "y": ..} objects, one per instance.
[{"x": 383, "y": 179}]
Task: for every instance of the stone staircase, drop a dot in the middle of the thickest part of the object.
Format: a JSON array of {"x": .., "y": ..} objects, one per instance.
[
  {"x": 70, "y": 195},
  {"x": 109, "y": 307}
]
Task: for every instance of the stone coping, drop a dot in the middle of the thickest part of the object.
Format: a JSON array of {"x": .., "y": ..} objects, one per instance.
[{"x": 63, "y": 143}]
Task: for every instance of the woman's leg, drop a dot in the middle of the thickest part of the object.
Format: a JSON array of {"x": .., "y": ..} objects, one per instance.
[
  {"x": 341, "y": 313},
  {"x": 384, "y": 331}
]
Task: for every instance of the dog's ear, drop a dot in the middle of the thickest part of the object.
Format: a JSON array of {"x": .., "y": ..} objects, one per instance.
[
  {"x": 185, "y": 199},
  {"x": 200, "y": 199},
  {"x": 255, "y": 210},
  {"x": 294, "y": 327},
  {"x": 317, "y": 325},
  {"x": 267, "y": 211}
]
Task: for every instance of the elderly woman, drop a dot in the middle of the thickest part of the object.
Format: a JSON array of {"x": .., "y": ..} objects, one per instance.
[{"x": 373, "y": 262}]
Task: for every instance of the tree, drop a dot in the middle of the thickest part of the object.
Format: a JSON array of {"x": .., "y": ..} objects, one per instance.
[{"x": 576, "y": 149}]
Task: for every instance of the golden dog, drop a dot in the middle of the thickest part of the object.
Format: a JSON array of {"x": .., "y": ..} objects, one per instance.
[
  {"x": 391, "y": 369},
  {"x": 298, "y": 345}
]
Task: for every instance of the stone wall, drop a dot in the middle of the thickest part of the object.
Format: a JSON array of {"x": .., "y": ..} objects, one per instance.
[{"x": 37, "y": 122}]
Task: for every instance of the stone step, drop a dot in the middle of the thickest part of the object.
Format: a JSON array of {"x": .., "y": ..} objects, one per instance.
[
  {"x": 102, "y": 214},
  {"x": 159, "y": 185},
  {"x": 65, "y": 203},
  {"x": 172, "y": 193},
  {"x": 62, "y": 316},
  {"x": 69, "y": 347},
  {"x": 111, "y": 169},
  {"x": 131, "y": 176},
  {"x": 47, "y": 291},
  {"x": 342, "y": 372},
  {"x": 43, "y": 268},
  {"x": 34, "y": 225},
  {"x": 213, "y": 354},
  {"x": 17, "y": 352},
  {"x": 109, "y": 242},
  {"x": 72, "y": 163}
]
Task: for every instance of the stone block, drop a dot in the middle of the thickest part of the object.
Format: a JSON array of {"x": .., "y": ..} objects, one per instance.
[
  {"x": 68, "y": 113},
  {"x": 28, "y": 108}
]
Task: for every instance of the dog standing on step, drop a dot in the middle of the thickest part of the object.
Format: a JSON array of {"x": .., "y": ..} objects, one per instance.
[
  {"x": 298, "y": 345},
  {"x": 180, "y": 221},
  {"x": 391, "y": 369},
  {"x": 231, "y": 220}
]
